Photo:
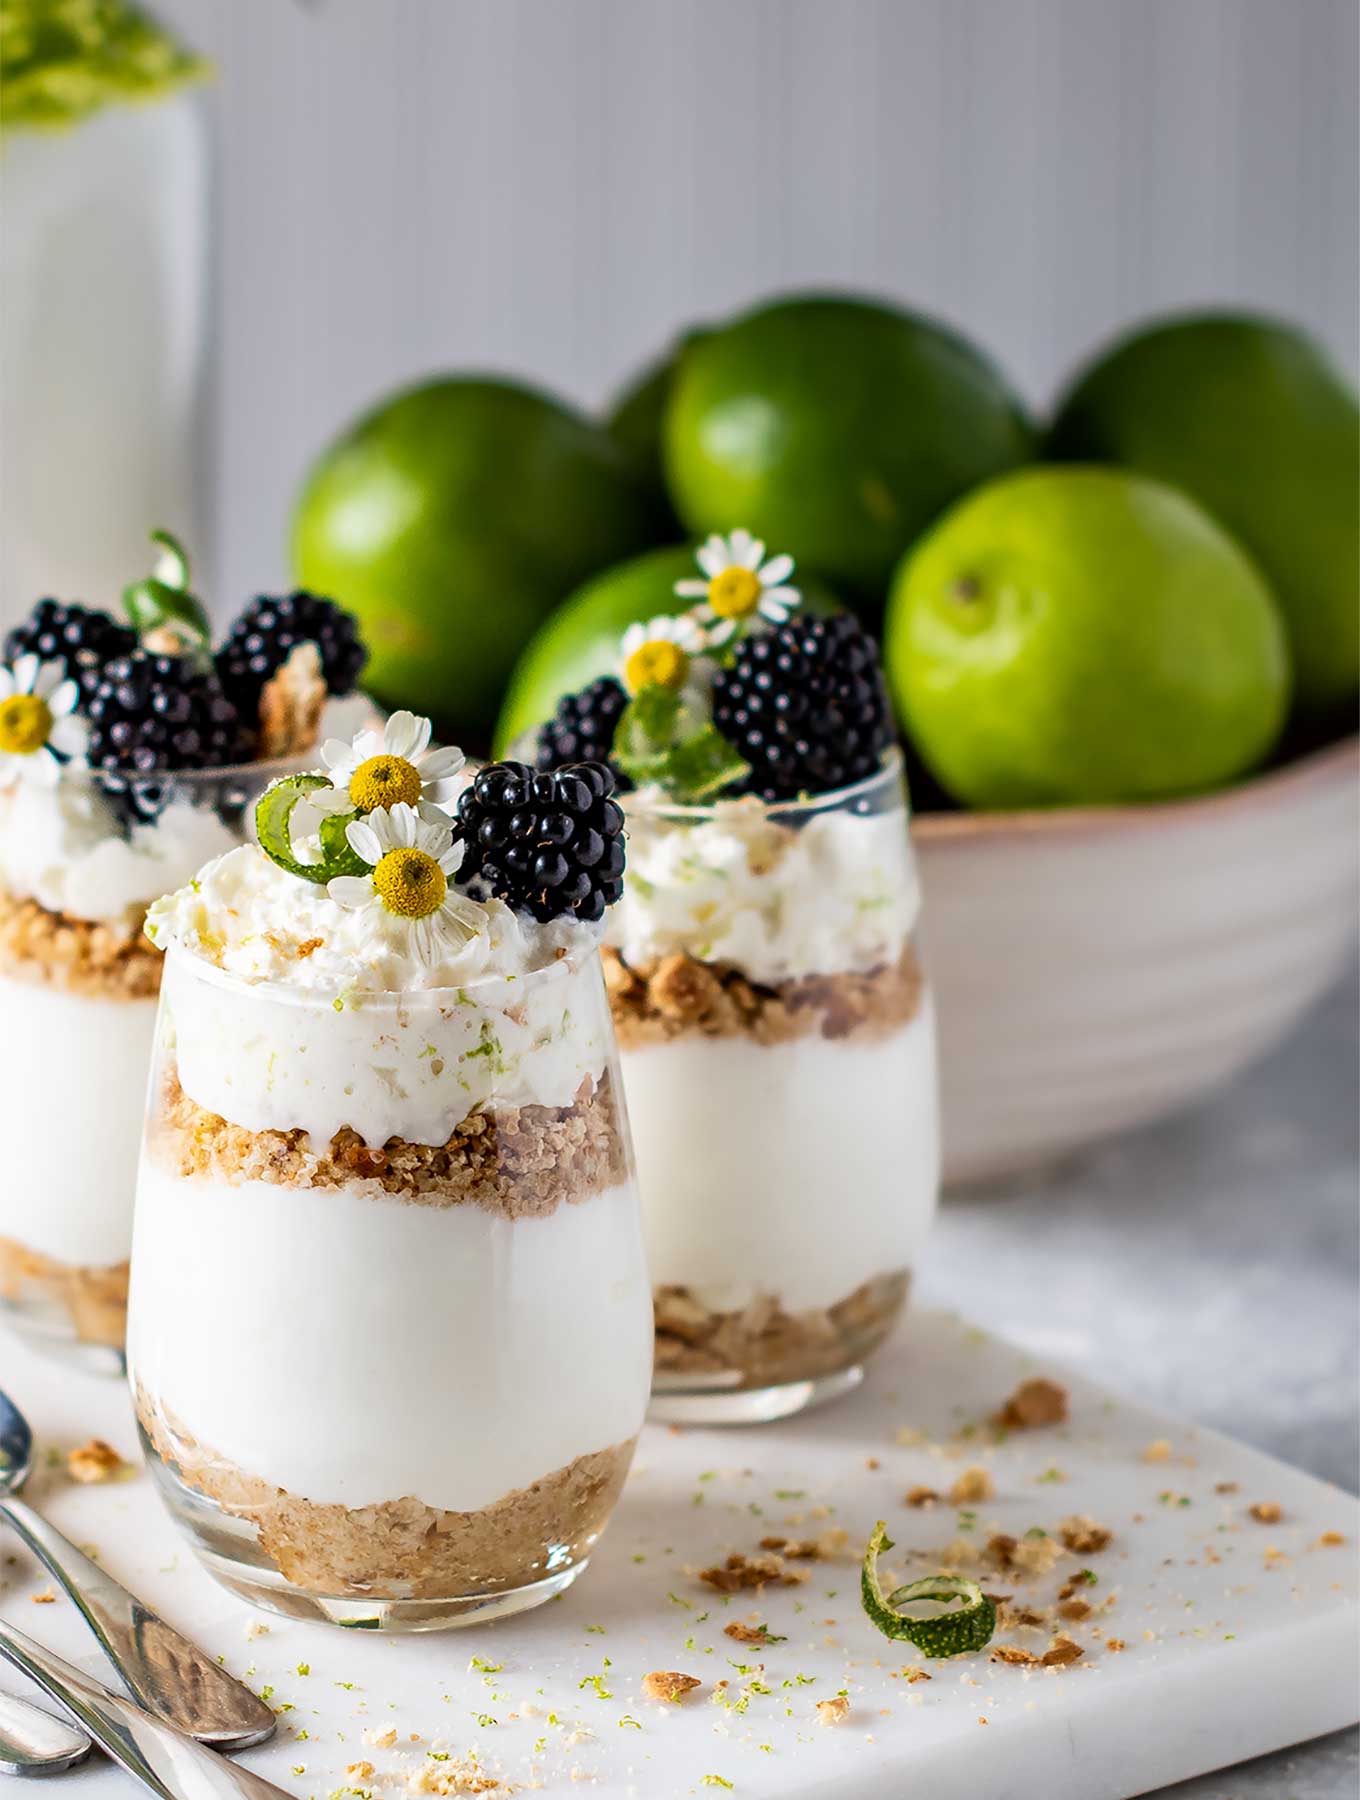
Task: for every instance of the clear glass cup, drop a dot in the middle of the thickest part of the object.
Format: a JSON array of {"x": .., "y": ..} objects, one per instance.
[
  {"x": 390, "y": 1334},
  {"x": 778, "y": 1052},
  {"x": 78, "y": 985}
]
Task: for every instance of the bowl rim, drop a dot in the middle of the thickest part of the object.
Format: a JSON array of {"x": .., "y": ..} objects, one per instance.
[{"x": 1334, "y": 764}]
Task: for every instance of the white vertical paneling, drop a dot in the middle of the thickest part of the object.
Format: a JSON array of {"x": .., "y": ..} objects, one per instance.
[{"x": 555, "y": 186}]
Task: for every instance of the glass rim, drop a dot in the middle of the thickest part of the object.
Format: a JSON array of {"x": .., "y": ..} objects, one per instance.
[
  {"x": 272, "y": 768},
  {"x": 891, "y": 770},
  {"x": 368, "y": 1000}
]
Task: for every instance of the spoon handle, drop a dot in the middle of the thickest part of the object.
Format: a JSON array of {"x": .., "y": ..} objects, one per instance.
[
  {"x": 163, "y": 1671},
  {"x": 169, "y": 1762},
  {"x": 32, "y": 1742}
]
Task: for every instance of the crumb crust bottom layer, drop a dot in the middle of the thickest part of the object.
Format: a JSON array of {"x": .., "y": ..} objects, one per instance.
[
  {"x": 764, "y": 1346},
  {"x": 402, "y": 1549},
  {"x": 84, "y": 956},
  {"x": 94, "y": 1300}
]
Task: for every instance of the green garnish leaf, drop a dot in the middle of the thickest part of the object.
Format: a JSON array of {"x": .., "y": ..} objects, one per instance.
[
  {"x": 965, "y": 1628},
  {"x": 273, "y": 828},
  {"x": 163, "y": 602},
  {"x": 659, "y": 739}
]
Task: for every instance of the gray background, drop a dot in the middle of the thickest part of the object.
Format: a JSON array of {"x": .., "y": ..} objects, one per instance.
[{"x": 553, "y": 186}]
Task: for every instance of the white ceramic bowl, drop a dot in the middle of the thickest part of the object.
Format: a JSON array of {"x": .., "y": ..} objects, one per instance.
[{"x": 1096, "y": 968}]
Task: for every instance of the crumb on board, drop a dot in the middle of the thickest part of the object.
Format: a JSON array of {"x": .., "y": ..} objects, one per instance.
[
  {"x": 1080, "y": 1532},
  {"x": 921, "y": 1496},
  {"x": 1115, "y": 1645},
  {"x": 829, "y": 1543},
  {"x": 93, "y": 1461},
  {"x": 46, "y": 1598},
  {"x": 669, "y": 1685},
  {"x": 1062, "y": 1650},
  {"x": 359, "y": 1771},
  {"x": 740, "y": 1572},
  {"x": 381, "y": 1737},
  {"x": 1158, "y": 1451},
  {"x": 832, "y": 1711},
  {"x": 973, "y": 1484},
  {"x": 1331, "y": 1540},
  {"x": 916, "y": 1673},
  {"x": 1012, "y": 1653},
  {"x": 1034, "y": 1403},
  {"x": 1073, "y": 1610},
  {"x": 1226, "y": 1487},
  {"x": 1266, "y": 1512},
  {"x": 1024, "y": 1556},
  {"x": 456, "y": 1777},
  {"x": 748, "y": 1634}
]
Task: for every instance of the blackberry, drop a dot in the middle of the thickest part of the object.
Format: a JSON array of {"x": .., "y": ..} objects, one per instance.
[
  {"x": 150, "y": 713},
  {"x": 79, "y": 637},
  {"x": 259, "y": 642},
  {"x": 804, "y": 704},
  {"x": 582, "y": 729},
  {"x": 548, "y": 842}
]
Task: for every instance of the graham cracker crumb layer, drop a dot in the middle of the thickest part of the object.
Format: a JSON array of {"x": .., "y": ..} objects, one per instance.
[
  {"x": 83, "y": 956},
  {"x": 678, "y": 996},
  {"x": 93, "y": 1299},
  {"x": 402, "y": 1549},
  {"x": 519, "y": 1161},
  {"x": 763, "y": 1344}
]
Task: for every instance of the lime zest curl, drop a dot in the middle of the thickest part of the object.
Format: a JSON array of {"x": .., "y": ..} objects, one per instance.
[
  {"x": 273, "y": 829},
  {"x": 963, "y": 1629}
]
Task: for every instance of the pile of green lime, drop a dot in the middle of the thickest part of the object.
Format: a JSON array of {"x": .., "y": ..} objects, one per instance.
[{"x": 1144, "y": 600}]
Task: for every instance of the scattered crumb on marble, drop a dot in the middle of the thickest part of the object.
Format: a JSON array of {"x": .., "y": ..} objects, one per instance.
[
  {"x": 921, "y": 1496},
  {"x": 1266, "y": 1512},
  {"x": 832, "y": 1711},
  {"x": 973, "y": 1484},
  {"x": 669, "y": 1685},
  {"x": 93, "y": 1461},
  {"x": 1159, "y": 1451},
  {"x": 1079, "y": 1532},
  {"x": 1033, "y": 1404}
]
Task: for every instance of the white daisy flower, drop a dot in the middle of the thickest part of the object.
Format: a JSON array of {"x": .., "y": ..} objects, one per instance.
[
  {"x": 741, "y": 587},
  {"x": 38, "y": 723},
  {"x": 411, "y": 862},
  {"x": 388, "y": 768},
  {"x": 663, "y": 652}
]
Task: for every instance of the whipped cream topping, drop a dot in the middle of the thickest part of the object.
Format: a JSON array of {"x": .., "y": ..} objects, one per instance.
[
  {"x": 64, "y": 847},
  {"x": 324, "y": 1019},
  {"x": 836, "y": 893},
  {"x": 247, "y": 916}
]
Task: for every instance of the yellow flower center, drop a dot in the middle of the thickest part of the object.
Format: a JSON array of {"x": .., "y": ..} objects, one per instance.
[
  {"x": 734, "y": 593},
  {"x": 384, "y": 781},
  {"x": 25, "y": 721},
  {"x": 657, "y": 663},
  {"x": 410, "y": 883}
]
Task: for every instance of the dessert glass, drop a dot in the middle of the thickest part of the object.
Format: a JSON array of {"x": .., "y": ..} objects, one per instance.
[
  {"x": 778, "y": 1051},
  {"x": 390, "y": 1333},
  {"x": 78, "y": 984}
]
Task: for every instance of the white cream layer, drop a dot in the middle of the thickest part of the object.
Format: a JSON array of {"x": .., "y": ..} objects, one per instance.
[
  {"x": 354, "y": 1350},
  {"x": 835, "y": 895},
  {"x": 73, "y": 1072},
  {"x": 63, "y": 847},
  {"x": 801, "y": 1170},
  {"x": 404, "y": 1065}
]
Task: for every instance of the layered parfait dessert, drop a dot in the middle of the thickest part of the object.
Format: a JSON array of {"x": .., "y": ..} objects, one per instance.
[
  {"x": 390, "y": 1335},
  {"x": 774, "y": 1022},
  {"x": 129, "y": 754}
]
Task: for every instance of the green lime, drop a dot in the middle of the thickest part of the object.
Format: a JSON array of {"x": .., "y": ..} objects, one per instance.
[
  {"x": 835, "y": 429},
  {"x": 637, "y": 413},
  {"x": 1252, "y": 419},
  {"x": 581, "y": 640},
  {"x": 452, "y": 520},
  {"x": 1072, "y": 636}
]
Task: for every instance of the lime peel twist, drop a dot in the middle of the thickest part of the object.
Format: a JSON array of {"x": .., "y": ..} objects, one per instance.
[
  {"x": 966, "y": 1628},
  {"x": 273, "y": 828}
]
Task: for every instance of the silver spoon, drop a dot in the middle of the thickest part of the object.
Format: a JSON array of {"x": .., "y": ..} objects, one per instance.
[
  {"x": 32, "y": 1742},
  {"x": 169, "y": 1762},
  {"x": 162, "y": 1671}
]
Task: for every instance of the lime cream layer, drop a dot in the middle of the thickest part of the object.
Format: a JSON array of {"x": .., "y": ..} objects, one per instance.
[
  {"x": 75, "y": 1086},
  {"x": 481, "y": 1353},
  {"x": 800, "y": 1169}
]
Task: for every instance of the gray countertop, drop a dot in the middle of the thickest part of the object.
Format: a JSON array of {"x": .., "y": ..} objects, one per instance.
[{"x": 1211, "y": 1264}]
